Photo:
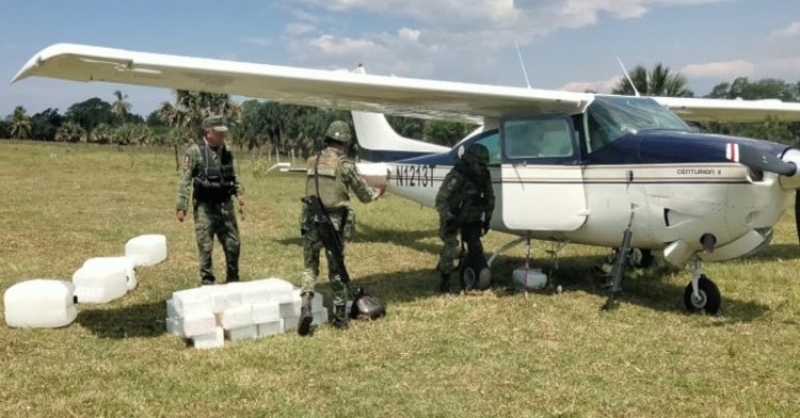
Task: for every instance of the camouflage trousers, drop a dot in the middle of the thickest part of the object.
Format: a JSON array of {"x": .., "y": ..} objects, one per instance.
[
  {"x": 217, "y": 220},
  {"x": 449, "y": 229},
  {"x": 312, "y": 245}
]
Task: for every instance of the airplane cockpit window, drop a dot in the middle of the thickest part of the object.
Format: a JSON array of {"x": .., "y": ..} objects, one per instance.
[
  {"x": 538, "y": 138},
  {"x": 609, "y": 118}
]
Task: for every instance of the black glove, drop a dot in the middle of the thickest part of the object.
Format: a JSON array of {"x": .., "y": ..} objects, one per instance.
[
  {"x": 450, "y": 219},
  {"x": 485, "y": 226}
]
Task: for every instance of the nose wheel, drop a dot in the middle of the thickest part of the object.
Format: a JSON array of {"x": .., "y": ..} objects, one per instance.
[
  {"x": 707, "y": 298},
  {"x": 701, "y": 294}
]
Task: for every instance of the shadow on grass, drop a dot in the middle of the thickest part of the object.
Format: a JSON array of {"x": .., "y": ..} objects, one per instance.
[
  {"x": 645, "y": 288},
  {"x": 367, "y": 233},
  {"x": 134, "y": 321},
  {"x": 777, "y": 252}
]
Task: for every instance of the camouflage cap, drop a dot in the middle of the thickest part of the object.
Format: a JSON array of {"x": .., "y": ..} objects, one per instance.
[{"x": 216, "y": 123}]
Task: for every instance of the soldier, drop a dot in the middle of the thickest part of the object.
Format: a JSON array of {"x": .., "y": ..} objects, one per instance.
[
  {"x": 208, "y": 167},
  {"x": 465, "y": 202},
  {"x": 329, "y": 175}
]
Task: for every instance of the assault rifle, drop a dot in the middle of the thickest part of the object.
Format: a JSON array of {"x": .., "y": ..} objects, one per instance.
[{"x": 331, "y": 238}]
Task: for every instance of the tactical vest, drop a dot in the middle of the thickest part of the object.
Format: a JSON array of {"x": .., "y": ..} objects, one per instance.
[
  {"x": 332, "y": 190},
  {"x": 469, "y": 200},
  {"x": 214, "y": 182}
]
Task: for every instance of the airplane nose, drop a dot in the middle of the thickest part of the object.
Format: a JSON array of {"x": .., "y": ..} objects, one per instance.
[{"x": 759, "y": 160}]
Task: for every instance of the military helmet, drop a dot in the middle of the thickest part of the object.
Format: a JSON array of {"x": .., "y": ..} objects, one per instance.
[
  {"x": 477, "y": 153},
  {"x": 339, "y": 131}
]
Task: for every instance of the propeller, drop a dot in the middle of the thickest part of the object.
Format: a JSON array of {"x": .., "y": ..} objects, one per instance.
[
  {"x": 797, "y": 214},
  {"x": 758, "y": 160}
]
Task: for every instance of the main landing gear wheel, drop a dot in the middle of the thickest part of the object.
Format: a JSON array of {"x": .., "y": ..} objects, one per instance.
[
  {"x": 641, "y": 258},
  {"x": 475, "y": 274},
  {"x": 708, "y": 298}
]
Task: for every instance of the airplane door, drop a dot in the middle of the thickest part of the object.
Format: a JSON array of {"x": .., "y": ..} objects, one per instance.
[{"x": 542, "y": 180}]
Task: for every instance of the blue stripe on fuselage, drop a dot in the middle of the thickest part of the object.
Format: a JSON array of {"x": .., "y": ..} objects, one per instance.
[
  {"x": 643, "y": 147},
  {"x": 666, "y": 147}
]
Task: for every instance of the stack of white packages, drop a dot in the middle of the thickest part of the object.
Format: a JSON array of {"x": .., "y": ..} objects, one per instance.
[{"x": 245, "y": 310}]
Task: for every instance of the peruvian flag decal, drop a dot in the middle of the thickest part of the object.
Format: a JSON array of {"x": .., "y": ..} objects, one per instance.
[{"x": 732, "y": 152}]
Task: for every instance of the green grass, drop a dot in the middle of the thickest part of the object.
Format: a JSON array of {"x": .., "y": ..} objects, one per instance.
[{"x": 494, "y": 354}]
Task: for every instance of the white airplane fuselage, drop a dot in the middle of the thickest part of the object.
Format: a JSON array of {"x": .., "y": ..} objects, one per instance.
[{"x": 592, "y": 204}]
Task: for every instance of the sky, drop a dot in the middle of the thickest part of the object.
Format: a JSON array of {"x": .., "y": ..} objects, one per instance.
[{"x": 564, "y": 44}]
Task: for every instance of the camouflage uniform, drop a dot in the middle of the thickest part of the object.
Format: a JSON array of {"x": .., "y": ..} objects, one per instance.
[
  {"x": 465, "y": 202},
  {"x": 335, "y": 173},
  {"x": 214, "y": 212}
]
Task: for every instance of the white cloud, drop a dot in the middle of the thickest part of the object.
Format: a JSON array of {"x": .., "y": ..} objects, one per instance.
[
  {"x": 408, "y": 34},
  {"x": 298, "y": 28},
  {"x": 602, "y": 86},
  {"x": 430, "y": 11},
  {"x": 258, "y": 41},
  {"x": 463, "y": 40},
  {"x": 336, "y": 46},
  {"x": 719, "y": 70},
  {"x": 790, "y": 31}
]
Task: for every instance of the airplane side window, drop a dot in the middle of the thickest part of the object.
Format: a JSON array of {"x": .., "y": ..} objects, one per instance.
[{"x": 538, "y": 138}]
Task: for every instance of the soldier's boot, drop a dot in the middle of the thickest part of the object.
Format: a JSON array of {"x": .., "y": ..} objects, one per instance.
[
  {"x": 304, "y": 323},
  {"x": 340, "y": 317},
  {"x": 444, "y": 283}
]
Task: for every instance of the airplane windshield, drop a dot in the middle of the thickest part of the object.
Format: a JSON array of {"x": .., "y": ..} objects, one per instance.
[{"x": 609, "y": 118}]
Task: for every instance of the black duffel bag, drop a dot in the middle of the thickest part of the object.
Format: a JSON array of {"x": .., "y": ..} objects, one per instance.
[{"x": 366, "y": 306}]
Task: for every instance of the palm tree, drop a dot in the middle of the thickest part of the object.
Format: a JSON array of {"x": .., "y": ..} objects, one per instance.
[
  {"x": 71, "y": 131},
  {"x": 120, "y": 107},
  {"x": 660, "y": 81},
  {"x": 20, "y": 123},
  {"x": 102, "y": 134},
  {"x": 189, "y": 110},
  {"x": 191, "y": 107}
]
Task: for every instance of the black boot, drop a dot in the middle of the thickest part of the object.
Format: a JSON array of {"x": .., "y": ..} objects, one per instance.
[
  {"x": 340, "y": 317},
  {"x": 444, "y": 284},
  {"x": 304, "y": 324}
]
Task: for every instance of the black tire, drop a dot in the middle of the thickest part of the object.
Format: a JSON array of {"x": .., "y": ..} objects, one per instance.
[
  {"x": 475, "y": 274},
  {"x": 710, "y": 297},
  {"x": 639, "y": 258}
]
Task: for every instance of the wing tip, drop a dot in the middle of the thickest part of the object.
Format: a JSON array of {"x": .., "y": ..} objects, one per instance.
[{"x": 48, "y": 52}]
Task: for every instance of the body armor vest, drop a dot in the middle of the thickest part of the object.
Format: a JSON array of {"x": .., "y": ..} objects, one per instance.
[
  {"x": 332, "y": 190},
  {"x": 214, "y": 182},
  {"x": 469, "y": 201}
]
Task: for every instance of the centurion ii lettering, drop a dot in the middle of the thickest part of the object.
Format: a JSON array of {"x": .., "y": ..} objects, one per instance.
[{"x": 697, "y": 171}]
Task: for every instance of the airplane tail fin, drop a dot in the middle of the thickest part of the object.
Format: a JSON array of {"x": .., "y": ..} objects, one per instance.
[{"x": 378, "y": 141}]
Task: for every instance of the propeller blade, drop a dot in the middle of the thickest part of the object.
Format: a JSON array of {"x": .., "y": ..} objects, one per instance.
[
  {"x": 756, "y": 159},
  {"x": 797, "y": 214}
]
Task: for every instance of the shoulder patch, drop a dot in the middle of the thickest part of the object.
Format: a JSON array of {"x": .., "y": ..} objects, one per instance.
[
  {"x": 452, "y": 184},
  {"x": 187, "y": 161}
]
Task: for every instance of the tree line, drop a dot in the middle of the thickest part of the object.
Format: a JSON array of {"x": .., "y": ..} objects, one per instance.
[{"x": 296, "y": 131}]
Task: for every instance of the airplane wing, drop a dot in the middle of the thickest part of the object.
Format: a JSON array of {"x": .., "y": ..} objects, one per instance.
[
  {"x": 734, "y": 111},
  {"x": 319, "y": 88}
]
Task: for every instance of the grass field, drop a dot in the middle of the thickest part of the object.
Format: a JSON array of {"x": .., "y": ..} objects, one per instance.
[{"x": 493, "y": 354}]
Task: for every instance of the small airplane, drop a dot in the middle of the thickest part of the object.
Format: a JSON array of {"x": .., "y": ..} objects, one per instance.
[{"x": 613, "y": 171}]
